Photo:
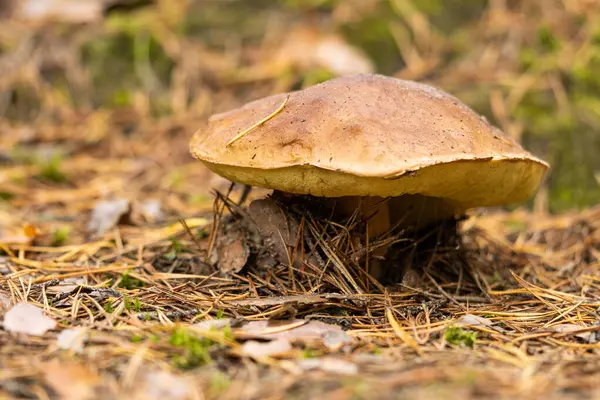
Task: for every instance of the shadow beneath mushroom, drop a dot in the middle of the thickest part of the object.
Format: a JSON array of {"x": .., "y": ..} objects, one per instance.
[{"x": 302, "y": 242}]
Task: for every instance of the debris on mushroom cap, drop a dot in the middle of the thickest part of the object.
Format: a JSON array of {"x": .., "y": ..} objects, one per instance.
[{"x": 370, "y": 135}]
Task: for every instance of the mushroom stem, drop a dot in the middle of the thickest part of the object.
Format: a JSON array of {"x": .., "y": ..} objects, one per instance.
[
  {"x": 407, "y": 211},
  {"x": 410, "y": 210},
  {"x": 377, "y": 213},
  {"x": 374, "y": 209},
  {"x": 383, "y": 214},
  {"x": 418, "y": 211}
]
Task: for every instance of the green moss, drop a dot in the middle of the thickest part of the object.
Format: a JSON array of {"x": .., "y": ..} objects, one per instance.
[
  {"x": 108, "y": 307},
  {"x": 61, "y": 235},
  {"x": 51, "y": 170},
  {"x": 176, "y": 248},
  {"x": 457, "y": 336},
  {"x": 546, "y": 39},
  {"x": 6, "y": 196},
  {"x": 308, "y": 353},
  {"x": 129, "y": 282},
  {"x": 137, "y": 305},
  {"x": 194, "y": 350},
  {"x": 137, "y": 338}
]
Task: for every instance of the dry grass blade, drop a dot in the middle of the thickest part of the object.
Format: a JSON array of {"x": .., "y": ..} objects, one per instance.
[{"x": 259, "y": 123}]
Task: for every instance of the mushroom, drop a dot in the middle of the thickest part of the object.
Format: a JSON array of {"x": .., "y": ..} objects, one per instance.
[{"x": 398, "y": 149}]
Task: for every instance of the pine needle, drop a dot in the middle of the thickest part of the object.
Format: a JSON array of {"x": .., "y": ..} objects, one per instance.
[{"x": 259, "y": 123}]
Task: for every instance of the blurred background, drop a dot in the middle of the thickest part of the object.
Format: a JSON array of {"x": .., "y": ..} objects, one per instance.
[{"x": 133, "y": 79}]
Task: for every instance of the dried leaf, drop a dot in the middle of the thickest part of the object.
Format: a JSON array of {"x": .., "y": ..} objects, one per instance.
[
  {"x": 474, "y": 320},
  {"x": 106, "y": 214},
  {"x": 282, "y": 300},
  {"x": 233, "y": 251},
  {"x": 276, "y": 347},
  {"x": 277, "y": 230},
  {"x": 29, "y": 319},
  {"x": 564, "y": 328},
  {"x": 72, "y": 339},
  {"x": 67, "y": 285},
  {"x": 589, "y": 337},
  {"x": 297, "y": 330},
  {"x": 148, "y": 210}
]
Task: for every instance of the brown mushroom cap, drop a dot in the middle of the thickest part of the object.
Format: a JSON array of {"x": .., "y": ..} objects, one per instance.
[{"x": 370, "y": 135}]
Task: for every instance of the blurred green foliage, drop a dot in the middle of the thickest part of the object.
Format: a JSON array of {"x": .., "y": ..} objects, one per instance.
[
  {"x": 542, "y": 59},
  {"x": 460, "y": 337}
]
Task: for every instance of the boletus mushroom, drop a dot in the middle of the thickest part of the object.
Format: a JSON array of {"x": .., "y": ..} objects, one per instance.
[{"x": 395, "y": 150}]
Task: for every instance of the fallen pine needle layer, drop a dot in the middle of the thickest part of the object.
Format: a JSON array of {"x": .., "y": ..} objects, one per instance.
[
  {"x": 141, "y": 311},
  {"x": 120, "y": 277}
]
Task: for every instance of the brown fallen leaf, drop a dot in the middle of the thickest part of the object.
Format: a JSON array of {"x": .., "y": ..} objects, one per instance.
[
  {"x": 29, "y": 319},
  {"x": 233, "y": 251},
  {"x": 279, "y": 232}
]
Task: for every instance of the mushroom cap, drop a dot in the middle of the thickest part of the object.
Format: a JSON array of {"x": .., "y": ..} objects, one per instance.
[{"x": 370, "y": 135}]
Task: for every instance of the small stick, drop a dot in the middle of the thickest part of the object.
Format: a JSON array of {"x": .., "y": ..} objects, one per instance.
[
  {"x": 245, "y": 194},
  {"x": 256, "y": 125}
]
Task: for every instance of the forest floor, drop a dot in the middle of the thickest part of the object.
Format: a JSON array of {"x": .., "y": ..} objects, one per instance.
[
  {"x": 127, "y": 270},
  {"x": 147, "y": 291}
]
